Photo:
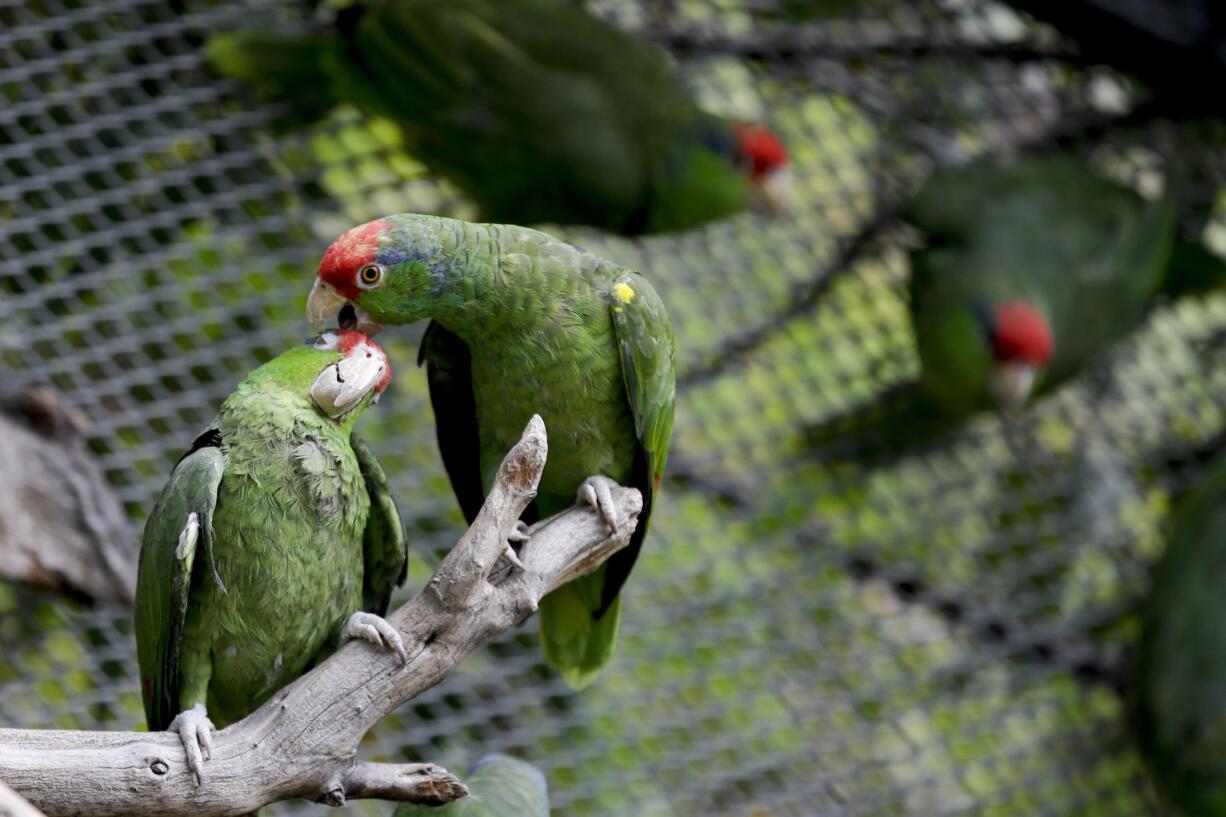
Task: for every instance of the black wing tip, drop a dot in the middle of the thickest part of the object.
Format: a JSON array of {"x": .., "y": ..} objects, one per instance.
[{"x": 211, "y": 438}]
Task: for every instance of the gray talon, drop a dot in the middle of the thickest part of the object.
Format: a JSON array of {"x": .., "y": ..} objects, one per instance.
[
  {"x": 196, "y": 732},
  {"x": 376, "y": 630},
  {"x": 597, "y": 491},
  {"x": 511, "y": 556},
  {"x": 520, "y": 534}
]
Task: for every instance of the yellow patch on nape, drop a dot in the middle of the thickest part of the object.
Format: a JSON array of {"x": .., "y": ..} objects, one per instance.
[{"x": 623, "y": 292}]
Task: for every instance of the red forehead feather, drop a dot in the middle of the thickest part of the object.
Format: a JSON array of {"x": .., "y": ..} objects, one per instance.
[
  {"x": 353, "y": 249},
  {"x": 764, "y": 149},
  {"x": 350, "y": 340},
  {"x": 1021, "y": 333}
]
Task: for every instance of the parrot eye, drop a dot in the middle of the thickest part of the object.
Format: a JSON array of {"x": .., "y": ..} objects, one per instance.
[{"x": 369, "y": 276}]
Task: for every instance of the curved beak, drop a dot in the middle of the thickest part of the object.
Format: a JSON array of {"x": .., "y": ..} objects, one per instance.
[
  {"x": 778, "y": 195},
  {"x": 325, "y": 302},
  {"x": 1011, "y": 383},
  {"x": 342, "y": 385}
]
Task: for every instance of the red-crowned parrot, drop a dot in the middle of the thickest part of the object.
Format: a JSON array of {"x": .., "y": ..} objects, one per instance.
[
  {"x": 1179, "y": 689},
  {"x": 498, "y": 786},
  {"x": 1027, "y": 270},
  {"x": 274, "y": 538},
  {"x": 537, "y": 110},
  {"x": 521, "y": 324}
]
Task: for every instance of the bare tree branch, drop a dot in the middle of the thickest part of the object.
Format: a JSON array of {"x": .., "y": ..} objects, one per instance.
[
  {"x": 63, "y": 527},
  {"x": 302, "y": 742}
]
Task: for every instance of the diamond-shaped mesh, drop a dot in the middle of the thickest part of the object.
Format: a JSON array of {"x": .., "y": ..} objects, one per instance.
[{"x": 941, "y": 635}]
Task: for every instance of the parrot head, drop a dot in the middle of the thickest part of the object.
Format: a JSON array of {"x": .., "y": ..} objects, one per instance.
[
  {"x": 355, "y": 372},
  {"x": 1021, "y": 343},
  {"x": 353, "y": 279},
  {"x": 764, "y": 159},
  {"x": 374, "y": 275}
]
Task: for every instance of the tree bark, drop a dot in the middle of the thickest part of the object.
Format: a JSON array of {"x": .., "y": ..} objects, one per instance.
[{"x": 302, "y": 742}]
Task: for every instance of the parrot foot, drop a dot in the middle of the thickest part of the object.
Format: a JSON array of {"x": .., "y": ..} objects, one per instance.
[
  {"x": 376, "y": 630},
  {"x": 517, "y": 536},
  {"x": 597, "y": 491},
  {"x": 196, "y": 731}
]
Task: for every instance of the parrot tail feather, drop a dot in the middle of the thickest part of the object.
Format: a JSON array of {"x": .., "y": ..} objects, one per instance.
[{"x": 577, "y": 643}]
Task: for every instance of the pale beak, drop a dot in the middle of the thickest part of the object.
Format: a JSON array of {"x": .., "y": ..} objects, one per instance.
[
  {"x": 322, "y": 304},
  {"x": 341, "y": 386},
  {"x": 778, "y": 195},
  {"x": 325, "y": 302},
  {"x": 1010, "y": 384}
]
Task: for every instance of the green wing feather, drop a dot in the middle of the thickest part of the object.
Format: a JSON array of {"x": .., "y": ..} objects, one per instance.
[
  {"x": 384, "y": 546},
  {"x": 645, "y": 340},
  {"x": 165, "y": 574},
  {"x": 498, "y": 786},
  {"x": 579, "y": 620},
  {"x": 499, "y": 110}
]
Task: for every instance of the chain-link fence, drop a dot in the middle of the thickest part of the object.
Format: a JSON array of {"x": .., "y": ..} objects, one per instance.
[{"x": 942, "y": 634}]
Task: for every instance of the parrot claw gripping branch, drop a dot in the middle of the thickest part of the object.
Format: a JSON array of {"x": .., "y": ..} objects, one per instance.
[{"x": 303, "y": 740}]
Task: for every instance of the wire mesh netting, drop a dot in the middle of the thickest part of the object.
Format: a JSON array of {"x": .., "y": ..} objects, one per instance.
[{"x": 941, "y": 634}]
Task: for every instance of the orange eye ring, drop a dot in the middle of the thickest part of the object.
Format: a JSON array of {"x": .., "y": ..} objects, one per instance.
[{"x": 370, "y": 275}]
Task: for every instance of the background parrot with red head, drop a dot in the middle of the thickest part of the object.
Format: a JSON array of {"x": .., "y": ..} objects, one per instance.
[
  {"x": 1024, "y": 272},
  {"x": 538, "y": 111}
]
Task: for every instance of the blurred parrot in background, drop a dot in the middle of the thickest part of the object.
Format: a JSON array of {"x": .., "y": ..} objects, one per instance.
[
  {"x": 498, "y": 786},
  {"x": 274, "y": 538},
  {"x": 1026, "y": 271},
  {"x": 523, "y": 324},
  {"x": 1179, "y": 685},
  {"x": 537, "y": 110}
]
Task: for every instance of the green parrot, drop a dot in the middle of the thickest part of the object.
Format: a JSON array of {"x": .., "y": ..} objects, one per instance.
[
  {"x": 1026, "y": 271},
  {"x": 523, "y": 324},
  {"x": 537, "y": 110},
  {"x": 1179, "y": 686},
  {"x": 498, "y": 786},
  {"x": 275, "y": 538}
]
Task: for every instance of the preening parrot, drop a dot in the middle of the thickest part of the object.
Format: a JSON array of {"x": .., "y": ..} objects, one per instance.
[
  {"x": 498, "y": 786},
  {"x": 1179, "y": 700},
  {"x": 523, "y": 324},
  {"x": 274, "y": 538},
  {"x": 538, "y": 111},
  {"x": 1027, "y": 270}
]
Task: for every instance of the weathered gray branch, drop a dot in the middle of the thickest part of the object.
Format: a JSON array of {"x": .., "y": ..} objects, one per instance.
[
  {"x": 302, "y": 742},
  {"x": 61, "y": 525}
]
